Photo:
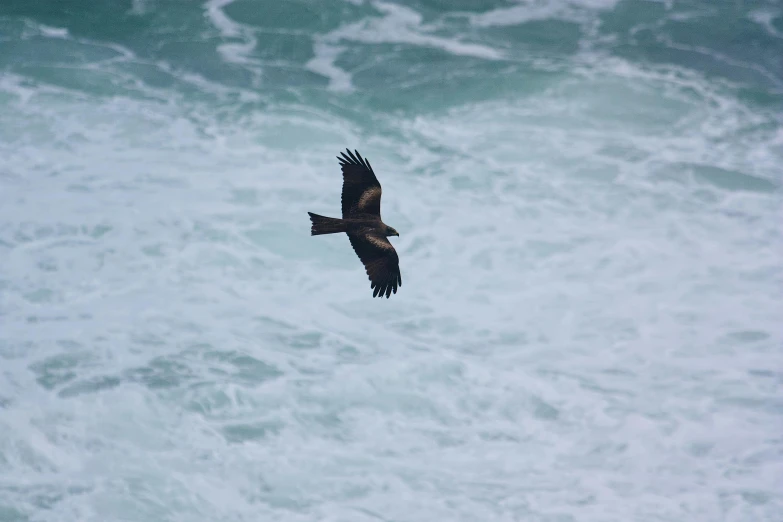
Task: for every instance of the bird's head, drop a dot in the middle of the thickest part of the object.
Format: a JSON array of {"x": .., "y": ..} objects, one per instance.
[{"x": 391, "y": 232}]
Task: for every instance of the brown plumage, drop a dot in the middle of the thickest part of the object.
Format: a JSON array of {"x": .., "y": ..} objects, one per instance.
[{"x": 361, "y": 202}]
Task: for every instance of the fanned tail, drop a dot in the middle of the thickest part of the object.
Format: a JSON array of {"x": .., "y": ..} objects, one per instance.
[{"x": 326, "y": 225}]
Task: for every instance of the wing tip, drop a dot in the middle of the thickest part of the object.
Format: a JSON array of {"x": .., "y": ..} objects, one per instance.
[
  {"x": 353, "y": 159},
  {"x": 384, "y": 289}
]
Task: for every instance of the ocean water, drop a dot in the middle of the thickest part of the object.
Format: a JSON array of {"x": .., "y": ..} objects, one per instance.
[{"x": 589, "y": 196}]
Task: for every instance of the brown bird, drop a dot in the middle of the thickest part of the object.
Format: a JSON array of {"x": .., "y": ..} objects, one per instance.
[{"x": 361, "y": 202}]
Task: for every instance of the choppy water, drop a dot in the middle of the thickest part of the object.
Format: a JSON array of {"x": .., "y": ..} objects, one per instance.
[{"x": 589, "y": 200}]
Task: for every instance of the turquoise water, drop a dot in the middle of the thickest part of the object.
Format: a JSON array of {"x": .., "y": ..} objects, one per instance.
[{"x": 588, "y": 195}]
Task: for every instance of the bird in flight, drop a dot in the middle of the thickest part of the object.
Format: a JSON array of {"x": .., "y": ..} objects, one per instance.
[{"x": 361, "y": 202}]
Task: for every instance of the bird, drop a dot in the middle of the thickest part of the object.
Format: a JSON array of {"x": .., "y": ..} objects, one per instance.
[{"x": 361, "y": 221}]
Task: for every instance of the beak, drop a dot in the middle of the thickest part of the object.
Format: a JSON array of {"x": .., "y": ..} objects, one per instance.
[{"x": 397, "y": 234}]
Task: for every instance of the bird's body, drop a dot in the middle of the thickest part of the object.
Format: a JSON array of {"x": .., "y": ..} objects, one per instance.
[{"x": 361, "y": 206}]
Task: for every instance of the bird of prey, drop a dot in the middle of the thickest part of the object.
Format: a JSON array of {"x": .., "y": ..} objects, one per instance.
[{"x": 361, "y": 202}]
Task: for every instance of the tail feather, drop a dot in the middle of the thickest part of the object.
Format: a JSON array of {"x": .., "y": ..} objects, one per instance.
[{"x": 326, "y": 225}]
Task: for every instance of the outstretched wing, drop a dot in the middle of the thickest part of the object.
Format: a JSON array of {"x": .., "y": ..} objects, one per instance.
[
  {"x": 381, "y": 261},
  {"x": 361, "y": 190}
]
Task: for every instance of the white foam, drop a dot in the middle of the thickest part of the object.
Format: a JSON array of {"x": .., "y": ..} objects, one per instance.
[
  {"x": 586, "y": 330},
  {"x": 403, "y": 25},
  {"x": 765, "y": 18},
  {"x": 529, "y": 10},
  {"x": 140, "y": 7},
  {"x": 235, "y": 52},
  {"x": 53, "y": 32},
  {"x": 323, "y": 62},
  {"x": 228, "y": 27},
  {"x": 400, "y": 24}
]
